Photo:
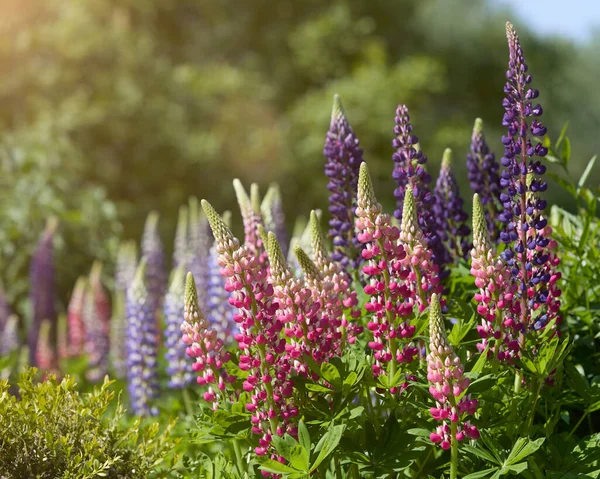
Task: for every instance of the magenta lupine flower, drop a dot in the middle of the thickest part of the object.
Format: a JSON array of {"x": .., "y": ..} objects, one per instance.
[
  {"x": 262, "y": 348},
  {"x": 200, "y": 241},
  {"x": 179, "y": 365},
  {"x": 446, "y": 376},
  {"x": 181, "y": 252},
  {"x": 141, "y": 346},
  {"x": 10, "y": 341},
  {"x": 530, "y": 248},
  {"x": 449, "y": 210},
  {"x": 252, "y": 218},
  {"x": 75, "y": 324},
  {"x": 484, "y": 177},
  {"x": 274, "y": 216},
  {"x": 96, "y": 318},
  {"x": 152, "y": 250},
  {"x": 203, "y": 346},
  {"x": 337, "y": 283},
  {"x": 344, "y": 156},
  {"x": 497, "y": 300},
  {"x": 397, "y": 281},
  {"x": 410, "y": 174},
  {"x": 43, "y": 290}
]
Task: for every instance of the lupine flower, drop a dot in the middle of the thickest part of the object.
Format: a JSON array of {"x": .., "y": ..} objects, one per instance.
[
  {"x": 527, "y": 235},
  {"x": 200, "y": 241},
  {"x": 274, "y": 216},
  {"x": 449, "y": 210},
  {"x": 252, "y": 218},
  {"x": 482, "y": 171},
  {"x": 152, "y": 250},
  {"x": 141, "y": 346},
  {"x": 262, "y": 349},
  {"x": 203, "y": 345},
  {"x": 62, "y": 340},
  {"x": 497, "y": 302},
  {"x": 5, "y": 311},
  {"x": 124, "y": 273},
  {"x": 410, "y": 174},
  {"x": 344, "y": 156},
  {"x": 397, "y": 281},
  {"x": 75, "y": 324},
  {"x": 219, "y": 311},
  {"x": 46, "y": 359},
  {"x": 10, "y": 336},
  {"x": 447, "y": 380},
  {"x": 43, "y": 290},
  {"x": 300, "y": 237},
  {"x": 181, "y": 251},
  {"x": 179, "y": 365},
  {"x": 97, "y": 325}
]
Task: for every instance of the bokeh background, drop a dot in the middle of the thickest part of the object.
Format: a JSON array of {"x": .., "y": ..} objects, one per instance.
[{"x": 110, "y": 109}]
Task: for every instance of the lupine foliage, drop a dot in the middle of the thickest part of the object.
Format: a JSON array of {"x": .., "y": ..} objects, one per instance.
[{"x": 398, "y": 364}]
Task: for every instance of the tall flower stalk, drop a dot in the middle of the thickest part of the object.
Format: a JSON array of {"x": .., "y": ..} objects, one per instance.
[
  {"x": 343, "y": 159},
  {"x": 75, "y": 322},
  {"x": 252, "y": 218},
  {"x": 484, "y": 177},
  {"x": 152, "y": 250},
  {"x": 449, "y": 210},
  {"x": 141, "y": 345},
  {"x": 181, "y": 253},
  {"x": 199, "y": 244},
  {"x": 96, "y": 317},
  {"x": 274, "y": 217},
  {"x": 447, "y": 380},
  {"x": 528, "y": 237}
]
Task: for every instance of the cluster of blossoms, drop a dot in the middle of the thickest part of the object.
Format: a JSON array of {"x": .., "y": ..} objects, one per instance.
[
  {"x": 199, "y": 242},
  {"x": 152, "y": 250},
  {"x": 497, "y": 300},
  {"x": 449, "y": 211},
  {"x": 203, "y": 345},
  {"x": 445, "y": 374},
  {"x": 410, "y": 175},
  {"x": 179, "y": 367},
  {"x": 529, "y": 247},
  {"x": 262, "y": 347},
  {"x": 401, "y": 276},
  {"x": 344, "y": 157},
  {"x": 252, "y": 218},
  {"x": 484, "y": 177},
  {"x": 75, "y": 324},
  {"x": 141, "y": 341}
]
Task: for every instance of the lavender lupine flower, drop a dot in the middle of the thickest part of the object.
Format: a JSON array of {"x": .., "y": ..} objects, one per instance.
[
  {"x": 124, "y": 273},
  {"x": 97, "y": 325},
  {"x": 344, "y": 156},
  {"x": 152, "y": 250},
  {"x": 484, "y": 178},
  {"x": 181, "y": 248},
  {"x": 10, "y": 341},
  {"x": 141, "y": 345},
  {"x": 75, "y": 324},
  {"x": 219, "y": 311},
  {"x": 410, "y": 174},
  {"x": 252, "y": 218},
  {"x": 200, "y": 241},
  {"x": 529, "y": 250},
  {"x": 179, "y": 365},
  {"x": 274, "y": 216},
  {"x": 446, "y": 376},
  {"x": 262, "y": 349},
  {"x": 497, "y": 302},
  {"x": 449, "y": 211},
  {"x": 43, "y": 290}
]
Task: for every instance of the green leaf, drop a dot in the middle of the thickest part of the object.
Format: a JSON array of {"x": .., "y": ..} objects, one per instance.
[
  {"x": 284, "y": 445},
  {"x": 478, "y": 366},
  {"x": 269, "y": 465},
  {"x": 523, "y": 448},
  {"x": 566, "y": 152},
  {"x": 317, "y": 388},
  {"x": 327, "y": 444},
  {"x": 331, "y": 374},
  {"x": 299, "y": 458},
  {"x": 481, "y": 453},
  {"x": 480, "y": 474},
  {"x": 577, "y": 381},
  {"x": 586, "y": 173},
  {"x": 518, "y": 468},
  {"x": 303, "y": 435}
]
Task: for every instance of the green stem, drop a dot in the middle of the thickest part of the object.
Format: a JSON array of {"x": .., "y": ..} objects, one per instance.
[
  {"x": 238, "y": 457},
  {"x": 577, "y": 425},
  {"x": 535, "y": 401},
  {"x": 453, "y": 452},
  {"x": 187, "y": 402}
]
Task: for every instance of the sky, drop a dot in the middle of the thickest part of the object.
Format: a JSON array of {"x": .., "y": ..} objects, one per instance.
[{"x": 574, "y": 19}]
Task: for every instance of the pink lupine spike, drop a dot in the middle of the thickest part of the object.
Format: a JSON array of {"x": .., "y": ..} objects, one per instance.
[
  {"x": 252, "y": 218},
  {"x": 445, "y": 374},
  {"x": 75, "y": 325}
]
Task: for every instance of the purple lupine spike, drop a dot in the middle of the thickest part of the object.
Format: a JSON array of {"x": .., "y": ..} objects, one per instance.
[
  {"x": 200, "y": 240},
  {"x": 10, "y": 336},
  {"x": 43, "y": 290},
  {"x": 274, "y": 216},
  {"x": 179, "y": 365},
  {"x": 141, "y": 345},
  {"x": 344, "y": 156},
  {"x": 124, "y": 273},
  {"x": 449, "y": 211},
  {"x": 527, "y": 235},
  {"x": 484, "y": 178},
  {"x": 181, "y": 247},
  {"x": 152, "y": 250},
  {"x": 97, "y": 325},
  {"x": 409, "y": 172}
]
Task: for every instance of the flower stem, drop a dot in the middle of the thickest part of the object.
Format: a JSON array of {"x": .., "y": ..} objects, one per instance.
[
  {"x": 187, "y": 402},
  {"x": 238, "y": 456},
  {"x": 535, "y": 401},
  {"x": 453, "y": 452},
  {"x": 577, "y": 425}
]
